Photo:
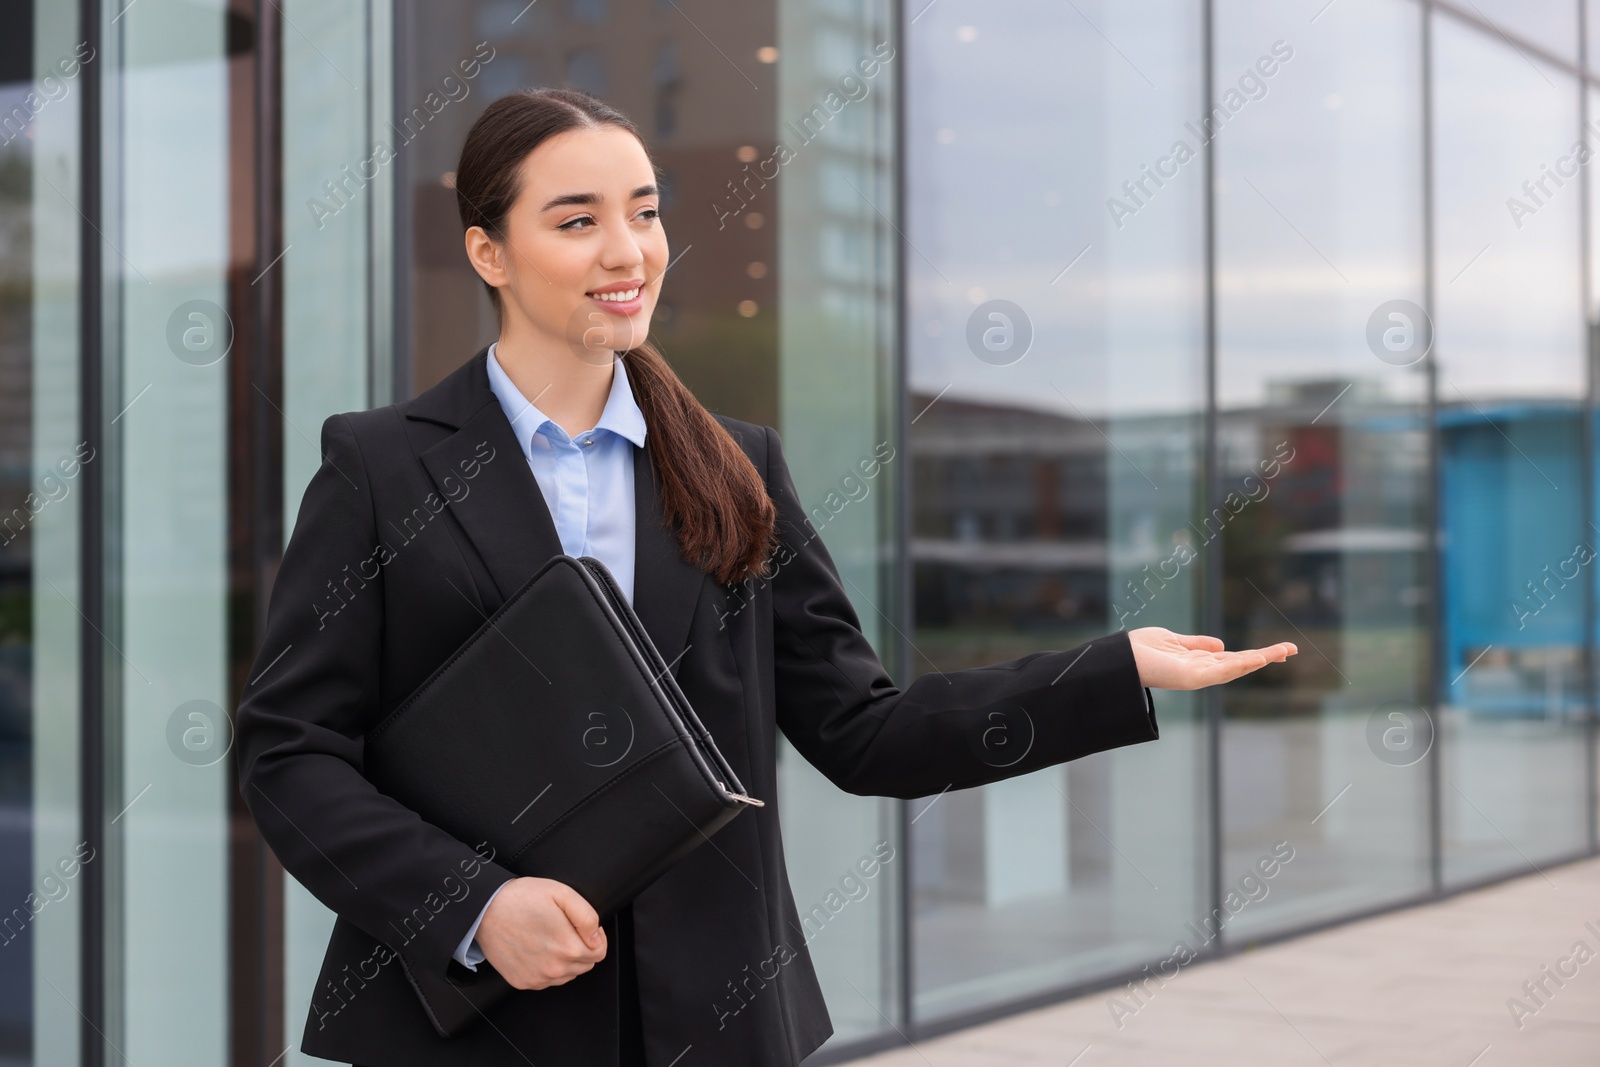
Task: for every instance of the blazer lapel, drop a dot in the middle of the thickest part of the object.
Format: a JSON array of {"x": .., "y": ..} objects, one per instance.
[
  {"x": 503, "y": 512},
  {"x": 665, "y": 587}
]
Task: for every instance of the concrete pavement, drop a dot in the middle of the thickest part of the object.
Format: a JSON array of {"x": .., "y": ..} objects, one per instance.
[{"x": 1500, "y": 977}]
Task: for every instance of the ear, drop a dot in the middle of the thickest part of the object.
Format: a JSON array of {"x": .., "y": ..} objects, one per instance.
[{"x": 486, "y": 257}]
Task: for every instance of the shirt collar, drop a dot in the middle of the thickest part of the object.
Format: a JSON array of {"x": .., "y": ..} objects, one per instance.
[{"x": 621, "y": 414}]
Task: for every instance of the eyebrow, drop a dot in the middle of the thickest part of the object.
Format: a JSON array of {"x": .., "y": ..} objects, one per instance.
[{"x": 596, "y": 198}]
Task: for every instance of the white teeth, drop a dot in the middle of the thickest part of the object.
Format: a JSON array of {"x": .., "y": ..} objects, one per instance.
[{"x": 622, "y": 297}]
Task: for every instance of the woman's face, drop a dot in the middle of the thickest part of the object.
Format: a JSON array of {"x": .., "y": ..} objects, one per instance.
[{"x": 582, "y": 232}]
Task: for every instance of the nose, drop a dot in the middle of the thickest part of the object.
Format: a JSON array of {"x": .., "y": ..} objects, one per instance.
[{"x": 620, "y": 249}]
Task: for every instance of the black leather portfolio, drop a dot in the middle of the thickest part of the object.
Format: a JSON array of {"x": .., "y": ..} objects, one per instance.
[{"x": 557, "y": 736}]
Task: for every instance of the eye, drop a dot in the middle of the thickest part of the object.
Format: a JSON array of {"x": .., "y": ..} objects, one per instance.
[
  {"x": 650, "y": 214},
  {"x": 573, "y": 223}
]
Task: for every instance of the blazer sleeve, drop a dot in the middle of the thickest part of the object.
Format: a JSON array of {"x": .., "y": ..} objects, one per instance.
[
  {"x": 946, "y": 730},
  {"x": 307, "y": 703}
]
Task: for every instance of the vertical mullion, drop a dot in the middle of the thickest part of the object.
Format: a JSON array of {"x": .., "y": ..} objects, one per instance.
[
  {"x": 401, "y": 379},
  {"x": 92, "y": 757},
  {"x": 383, "y": 298},
  {"x": 1586, "y": 460},
  {"x": 1433, "y": 517},
  {"x": 901, "y": 407},
  {"x": 1211, "y": 576},
  {"x": 254, "y": 394},
  {"x": 255, "y": 434}
]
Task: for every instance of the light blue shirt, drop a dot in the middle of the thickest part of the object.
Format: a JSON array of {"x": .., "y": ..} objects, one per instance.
[{"x": 587, "y": 482}]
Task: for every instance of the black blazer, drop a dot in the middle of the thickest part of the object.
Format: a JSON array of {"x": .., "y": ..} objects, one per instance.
[{"x": 423, "y": 518}]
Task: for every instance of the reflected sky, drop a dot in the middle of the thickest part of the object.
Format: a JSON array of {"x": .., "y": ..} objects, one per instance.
[
  {"x": 1319, "y": 195},
  {"x": 1025, "y": 123},
  {"x": 1548, "y": 24},
  {"x": 1508, "y": 282}
]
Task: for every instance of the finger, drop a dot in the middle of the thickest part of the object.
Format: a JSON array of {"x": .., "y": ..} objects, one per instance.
[
  {"x": 581, "y": 914},
  {"x": 1271, "y": 654},
  {"x": 595, "y": 951},
  {"x": 580, "y": 952}
]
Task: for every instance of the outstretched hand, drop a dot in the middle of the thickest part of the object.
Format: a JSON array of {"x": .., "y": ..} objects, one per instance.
[{"x": 1191, "y": 661}]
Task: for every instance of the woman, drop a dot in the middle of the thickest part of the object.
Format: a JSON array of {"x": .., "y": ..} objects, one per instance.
[{"x": 425, "y": 516}]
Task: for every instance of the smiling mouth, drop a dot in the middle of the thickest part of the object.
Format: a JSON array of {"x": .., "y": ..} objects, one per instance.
[{"x": 620, "y": 297}]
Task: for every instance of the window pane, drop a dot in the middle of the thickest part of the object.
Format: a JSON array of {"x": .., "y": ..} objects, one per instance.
[
  {"x": 837, "y": 305},
  {"x": 169, "y": 929},
  {"x": 327, "y": 290},
  {"x": 1591, "y": 23},
  {"x": 1548, "y": 24},
  {"x": 1319, "y": 234},
  {"x": 1592, "y": 320},
  {"x": 41, "y": 479},
  {"x": 1511, "y": 387},
  {"x": 1057, "y": 383}
]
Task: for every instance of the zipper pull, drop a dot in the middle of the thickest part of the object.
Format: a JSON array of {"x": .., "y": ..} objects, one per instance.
[{"x": 752, "y": 801}]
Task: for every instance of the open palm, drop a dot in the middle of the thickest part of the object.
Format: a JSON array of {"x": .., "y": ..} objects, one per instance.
[{"x": 1193, "y": 661}]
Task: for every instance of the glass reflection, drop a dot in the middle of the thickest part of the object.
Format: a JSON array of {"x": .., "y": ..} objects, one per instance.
[
  {"x": 331, "y": 330},
  {"x": 1510, "y": 392},
  {"x": 837, "y": 306},
  {"x": 42, "y": 473},
  {"x": 19, "y": 500},
  {"x": 1323, "y": 453},
  {"x": 1548, "y": 24},
  {"x": 1591, "y": 23},
  {"x": 1592, "y": 322},
  {"x": 1056, "y": 365}
]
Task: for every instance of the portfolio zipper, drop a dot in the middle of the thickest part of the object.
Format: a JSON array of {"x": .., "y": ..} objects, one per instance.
[{"x": 740, "y": 796}]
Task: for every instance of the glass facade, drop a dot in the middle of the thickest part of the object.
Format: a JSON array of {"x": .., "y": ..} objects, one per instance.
[
  {"x": 1268, "y": 320},
  {"x": 1511, "y": 398},
  {"x": 1319, "y": 220},
  {"x": 1056, "y": 376},
  {"x": 46, "y": 473}
]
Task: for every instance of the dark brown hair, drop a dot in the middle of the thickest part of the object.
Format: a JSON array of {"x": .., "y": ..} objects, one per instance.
[{"x": 712, "y": 495}]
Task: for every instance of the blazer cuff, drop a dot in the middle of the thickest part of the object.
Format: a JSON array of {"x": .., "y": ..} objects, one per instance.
[
  {"x": 1140, "y": 725},
  {"x": 452, "y": 922},
  {"x": 1112, "y": 708},
  {"x": 468, "y": 954}
]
